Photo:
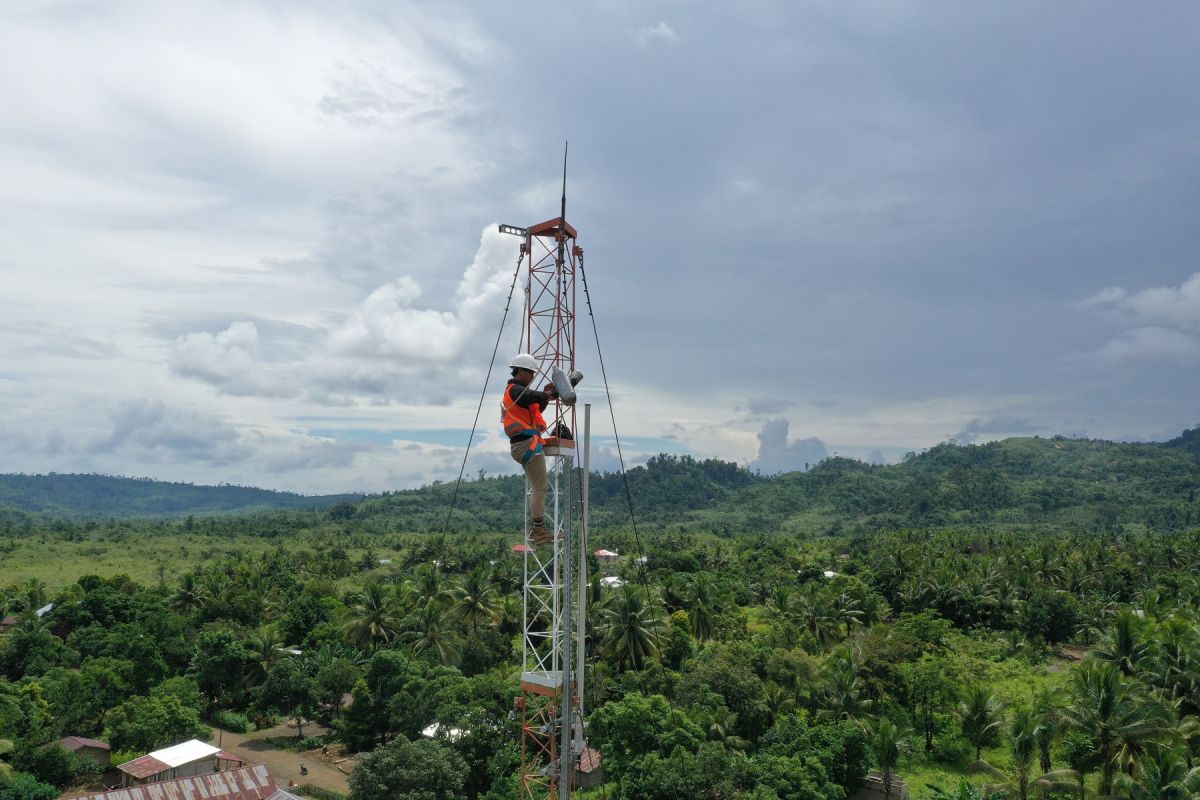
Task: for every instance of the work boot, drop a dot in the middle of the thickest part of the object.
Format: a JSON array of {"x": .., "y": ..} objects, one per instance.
[{"x": 541, "y": 535}]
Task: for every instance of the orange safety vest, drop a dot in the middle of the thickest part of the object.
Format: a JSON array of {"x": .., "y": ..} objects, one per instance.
[{"x": 518, "y": 420}]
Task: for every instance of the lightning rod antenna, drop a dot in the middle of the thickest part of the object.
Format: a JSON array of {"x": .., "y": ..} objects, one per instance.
[{"x": 563, "y": 216}]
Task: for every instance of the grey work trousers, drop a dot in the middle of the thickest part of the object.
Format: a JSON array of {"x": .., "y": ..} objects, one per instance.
[{"x": 535, "y": 470}]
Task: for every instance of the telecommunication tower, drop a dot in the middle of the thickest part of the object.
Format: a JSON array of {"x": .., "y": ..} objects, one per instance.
[{"x": 553, "y": 648}]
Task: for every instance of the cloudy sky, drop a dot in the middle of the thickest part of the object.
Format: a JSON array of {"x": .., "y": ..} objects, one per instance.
[{"x": 255, "y": 242}]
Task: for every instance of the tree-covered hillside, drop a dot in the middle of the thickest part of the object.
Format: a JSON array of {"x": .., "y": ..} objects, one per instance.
[
  {"x": 1024, "y": 482},
  {"x": 1027, "y": 482},
  {"x": 83, "y": 496}
]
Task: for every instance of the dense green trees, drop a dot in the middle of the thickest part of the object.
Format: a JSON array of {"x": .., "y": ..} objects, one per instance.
[
  {"x": 403, "y": 770},
  {"x": 868, "y": 601}
]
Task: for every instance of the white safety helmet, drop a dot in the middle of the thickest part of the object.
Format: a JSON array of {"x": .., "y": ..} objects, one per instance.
[{"x": 524, "y": 361}]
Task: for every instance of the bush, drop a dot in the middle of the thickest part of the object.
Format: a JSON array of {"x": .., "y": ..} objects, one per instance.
[
  {"x": 24, "y": 786},
  {"x": 950, "y": 747},
  {"x": 123, "y": 756},
  {"x": 231, "y": 721},
  {"x": 317, "y": 793}
]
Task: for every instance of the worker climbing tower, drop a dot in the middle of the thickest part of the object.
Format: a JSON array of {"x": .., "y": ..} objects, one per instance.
[{"x": 550, "y": 705}]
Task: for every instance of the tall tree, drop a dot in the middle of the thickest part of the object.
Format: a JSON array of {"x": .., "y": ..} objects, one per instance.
[
  {"x": 630, "y": 630},
  {"x": 375, "y": 619},
  {"x": 1024, "y": 749},
  {"x": 979, "y": 712},
  {"x": 1114, "y": 718},
  {"x": 888, "y": 741},
  {"x": 476, "y": 600}
]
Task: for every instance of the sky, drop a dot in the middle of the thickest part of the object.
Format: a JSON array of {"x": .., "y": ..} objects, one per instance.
[{"x": 256, "y": 242}]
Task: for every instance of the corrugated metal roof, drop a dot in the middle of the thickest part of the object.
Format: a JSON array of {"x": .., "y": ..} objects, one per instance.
[
  {"x": 247, "y": 783},
  {"x": 76, "y": 742},
  {"x": 589, "y": 760},
  {"x": 143, "y": 767}
]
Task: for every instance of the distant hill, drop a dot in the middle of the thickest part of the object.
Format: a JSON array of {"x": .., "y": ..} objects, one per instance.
[
  {"x": 76, "y": 496},
  {"x": 1030, "y": 482}
]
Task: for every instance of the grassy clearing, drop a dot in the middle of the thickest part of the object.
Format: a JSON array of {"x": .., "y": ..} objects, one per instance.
[{"x": 145, "y": 558}]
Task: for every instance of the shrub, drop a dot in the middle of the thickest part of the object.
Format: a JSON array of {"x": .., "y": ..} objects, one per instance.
[
  {"x": 317, "y": 793},
  {"x": 23, "y": 786},
  {"x": 950, "y": 747},
  {"x": 231, "y": 721}
]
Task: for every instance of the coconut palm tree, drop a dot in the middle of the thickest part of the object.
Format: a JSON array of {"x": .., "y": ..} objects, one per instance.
[
  {"x": 34, "y": 591},
  {"x": 1124, "y": 646},
  {"x": 841, "y": 696},
  {"x": 720, "y": 724},
  {"x": 428, "y": 586},
  {"x": 1048, "y": 724},
  {"x": 700, "y": 603},
  {"x": 476, "y": 600},
  {"x": 979, "y": 711},
  {"x": 1024, "y": 746},
  {"x": 1174, "y": 662},
  {"x": 888, "y": 742},
  {"x": 191, "y": 594},
  {"x": 375, "y": 619},
  {"x": 428, "y": 631},
  {"x": 1106, "y": 709},
  {"x": 630, "y": 628},
  {"x": 1161, "y": 775},
  {"x": 264, "y": 648}
]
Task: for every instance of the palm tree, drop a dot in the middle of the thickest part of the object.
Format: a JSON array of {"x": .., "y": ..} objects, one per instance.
[
  {"x": 264, "y": 648},
  {"x": 1024, "y": 746},
  {"x": 428, "y": 587},
  {"x": 1106, "y": 710},
  {"x": 476, "y": 600},
  {"x": 1124, "y": 646},
  {"x": 374, "y": 619},
  {"x": 1048, "y": 724},
  {"x": 630, "y": 629},
  {"x": 888, "y": 742},
  {"x": 34, "y": 590},
  {"x": 191, "y": 594},
  {"x": 1172, "y": 665},
  {"x": 815, "y": 615},
  {"x": 720, "y": 724},
  {"x": 979, "y": 711},
  {"x": 701, "y": 613},
  {"x": 428, "y": 631},
  {"x": 1162, "y": 775}
]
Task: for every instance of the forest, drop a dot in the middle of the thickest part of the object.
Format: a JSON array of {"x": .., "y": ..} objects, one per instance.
[{"x": 1014, "y": 619}]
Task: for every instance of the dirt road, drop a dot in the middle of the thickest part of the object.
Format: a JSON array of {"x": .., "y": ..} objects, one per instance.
[{"x": 285, "y": 765}]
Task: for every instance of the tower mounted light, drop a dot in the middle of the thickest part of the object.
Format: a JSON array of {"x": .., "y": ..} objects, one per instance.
[{"x": 515, "y": 230}]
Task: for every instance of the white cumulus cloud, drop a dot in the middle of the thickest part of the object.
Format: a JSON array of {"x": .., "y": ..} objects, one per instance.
[
  {"x": 1164, "y": 306},
  {"x": 227, "y": 361}
]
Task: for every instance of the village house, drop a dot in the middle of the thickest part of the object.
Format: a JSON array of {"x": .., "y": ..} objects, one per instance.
[
  {"x": 92, "y": 749},
  {"x": 192, "y": 757}
]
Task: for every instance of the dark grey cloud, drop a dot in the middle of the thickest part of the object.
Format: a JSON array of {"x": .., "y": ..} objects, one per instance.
[
  {"x": 149, "y": 428},
  {"x": 767, "y": 405},
  {"x": 879, "y": 218}
]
